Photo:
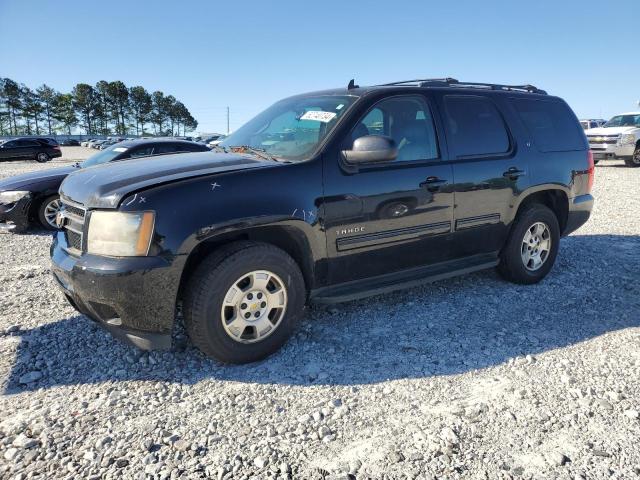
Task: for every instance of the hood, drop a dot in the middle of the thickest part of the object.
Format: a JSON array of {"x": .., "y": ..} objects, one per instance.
[
  {"x": 104, "y": 186},
  {"x": 610, "y": 130},
  {"x": 33, "y": 179}
]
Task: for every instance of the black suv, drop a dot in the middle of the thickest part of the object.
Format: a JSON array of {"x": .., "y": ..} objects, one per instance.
[
  {"x": 324, "y": 197},
  {"x": 39, "y": 149}
]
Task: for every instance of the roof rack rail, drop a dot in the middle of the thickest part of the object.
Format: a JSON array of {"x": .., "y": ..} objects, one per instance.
[
  {"x": 452, "y": 82},
  {"x": 419, "y": 81}
]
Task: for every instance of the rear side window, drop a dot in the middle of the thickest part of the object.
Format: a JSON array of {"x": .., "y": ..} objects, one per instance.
[
  {"x": 141, "y": 152},
  {"x": 475, "y": 126},
  {"x": 166, "y": 148},
  {"x": 551, "y": 124}
]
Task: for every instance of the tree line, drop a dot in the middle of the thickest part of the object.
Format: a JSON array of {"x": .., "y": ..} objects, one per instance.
[{"x": 102, "y": 109}]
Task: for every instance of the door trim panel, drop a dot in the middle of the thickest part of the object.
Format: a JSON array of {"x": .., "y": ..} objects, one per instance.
[
  {"x": 392, "y": 236},
  {"x": 470, "y": 222}
]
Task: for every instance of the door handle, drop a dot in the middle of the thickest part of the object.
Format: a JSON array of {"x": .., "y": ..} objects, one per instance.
[
  {"x": 433, "y": 183},
  {"x": 514, "y": 173}
]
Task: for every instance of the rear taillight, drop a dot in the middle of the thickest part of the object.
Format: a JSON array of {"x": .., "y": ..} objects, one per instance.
[
  {"x": 591, "y": 172},
  {"x": 56, "y": 147}
]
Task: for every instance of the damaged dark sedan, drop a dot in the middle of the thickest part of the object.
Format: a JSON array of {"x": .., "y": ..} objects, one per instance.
[{"x": 32, "y": 199}]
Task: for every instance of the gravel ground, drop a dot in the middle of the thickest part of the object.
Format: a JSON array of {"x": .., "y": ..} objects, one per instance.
[{"x": 467, "y": 378}]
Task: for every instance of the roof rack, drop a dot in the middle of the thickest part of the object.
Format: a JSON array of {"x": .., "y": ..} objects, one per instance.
[{"x": 452, "y": 82}]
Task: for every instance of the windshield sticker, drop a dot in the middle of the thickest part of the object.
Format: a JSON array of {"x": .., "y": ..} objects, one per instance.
[
  {"x": 318, "y": 116},
  {"x": 119, "y": 149},
  {"x": 339, "y": 107}
]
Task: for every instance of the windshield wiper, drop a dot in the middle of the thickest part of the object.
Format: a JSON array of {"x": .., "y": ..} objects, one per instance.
[{"x": 258, "y": 152}]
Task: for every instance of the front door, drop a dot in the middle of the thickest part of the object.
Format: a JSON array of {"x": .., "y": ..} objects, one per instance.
[
  {"x": 10, "y": 150},
  {"x": 382, "y": 218},
  {"x": 489, "y": 170}
]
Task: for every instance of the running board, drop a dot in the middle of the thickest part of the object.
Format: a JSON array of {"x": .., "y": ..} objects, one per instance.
[{"x": 348, "y": 291}]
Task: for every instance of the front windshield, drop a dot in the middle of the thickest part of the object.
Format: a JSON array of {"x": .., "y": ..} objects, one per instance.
[
  {"x": 103, "y": 156},
  {"x": 632, "y": 120},
  {"x": 292, "y": 128}
]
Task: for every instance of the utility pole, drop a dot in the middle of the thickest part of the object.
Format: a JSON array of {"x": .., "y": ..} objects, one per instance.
[{"x": 227, "y": 120}]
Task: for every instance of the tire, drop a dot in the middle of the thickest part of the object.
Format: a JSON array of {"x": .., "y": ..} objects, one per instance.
[
  {"x": 42, "y": 157},
  {"x": 512, "y": 259},
  {"x": 633, "y": 161},
  {"x": 211, "y": 322},
  {"x": 47, "y": 210}
]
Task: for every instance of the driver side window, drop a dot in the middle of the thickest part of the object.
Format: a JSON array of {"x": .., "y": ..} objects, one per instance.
[{"x": 408, "y": 121}]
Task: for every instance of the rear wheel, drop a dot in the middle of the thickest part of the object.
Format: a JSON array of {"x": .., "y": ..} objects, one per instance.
[
  {"x": 532, "y": 246},
  {"x": 42, "y": 157},
  {"x": 47, "y": 212},
  {"x": 634, "y": 160},
  {"x": 243, "y": 301}
]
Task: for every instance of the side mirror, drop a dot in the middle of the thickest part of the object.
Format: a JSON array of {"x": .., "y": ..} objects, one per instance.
[{"x": 372, "y": 148}]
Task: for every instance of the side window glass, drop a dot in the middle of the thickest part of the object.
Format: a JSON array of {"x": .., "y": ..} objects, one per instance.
[
  {"x": 10, "y": 144},
  {"x": 166, "y": 148},
  {"x": 141, "y": 152},
  {"x": 475, "y": 125},
  {"x": 406, "y": 119},
  {"x": 551, "y": 123}
]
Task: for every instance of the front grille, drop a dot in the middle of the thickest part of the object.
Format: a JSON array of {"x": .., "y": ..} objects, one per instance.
[
  {"x": 74, "y": 210},
  {"x": 74, "y": 215},
  {"x": 603, "y": 139},
  {"x": 74, "y": 240}
]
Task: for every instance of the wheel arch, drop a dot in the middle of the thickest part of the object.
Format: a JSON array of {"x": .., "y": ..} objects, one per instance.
[
  {"x": 554, "y": 197},
  {"x": 37, "y": 201},
  {"x": 290, "y": 239}
]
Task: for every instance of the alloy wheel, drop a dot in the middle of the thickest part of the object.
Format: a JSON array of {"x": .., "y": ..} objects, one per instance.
[
  {"x": 536, "y": 246},
  {"x": 51, "y": 211},
  {"x": 254, "y": 306}
]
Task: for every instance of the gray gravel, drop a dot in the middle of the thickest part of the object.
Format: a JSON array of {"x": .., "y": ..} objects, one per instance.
[{"x": 467, "y": 378}]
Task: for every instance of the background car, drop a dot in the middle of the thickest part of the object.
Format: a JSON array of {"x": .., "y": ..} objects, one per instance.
[
  {"x": 107, "y": 144},
  {"x": 589, "y": 123},
  {"x": 216, "y": 141},
  {"x": 39, "y": 149},
  {"x": 70, "y": 143},
  {"x": 97, "y": 144},
  {"x": 32, "y": 198}
]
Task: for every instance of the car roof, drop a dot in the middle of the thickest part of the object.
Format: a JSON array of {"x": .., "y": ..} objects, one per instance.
[{"x": 627, "y": 113}]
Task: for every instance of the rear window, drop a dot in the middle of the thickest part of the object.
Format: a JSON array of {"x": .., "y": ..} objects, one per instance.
[
  {"x": 551, "y": 124},
  {"x": 475, "y": 126}
]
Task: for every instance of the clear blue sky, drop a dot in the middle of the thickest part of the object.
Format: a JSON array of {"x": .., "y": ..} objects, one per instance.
[{"x": 211, "y": 54}]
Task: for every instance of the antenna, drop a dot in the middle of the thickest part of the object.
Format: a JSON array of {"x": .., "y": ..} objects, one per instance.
[{"x": 352, "y": 85}]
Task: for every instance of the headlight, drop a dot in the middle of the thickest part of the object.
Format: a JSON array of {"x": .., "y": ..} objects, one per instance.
[
  {"x": 120, "y": 234},
  {"x": 628, "y": 139},
  {"x": 12, "y": 197}
]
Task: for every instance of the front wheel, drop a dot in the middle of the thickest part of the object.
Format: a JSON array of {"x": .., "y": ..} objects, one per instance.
[
  {"x": 634, "y": 160},
  {"x": 243, "y": 302},
  {"x": 532, "y": 247},
  {"x": 42, "y": 157},
  {"x": 48, "y": 211}
]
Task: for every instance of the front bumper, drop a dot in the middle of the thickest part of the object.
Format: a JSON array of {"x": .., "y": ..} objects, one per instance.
[
  {"x": 579, "y": 212},
  {"x": 611, "y": 151},
  {"x": 15, "y": 217},
  {"x": 133, "y": 298}
]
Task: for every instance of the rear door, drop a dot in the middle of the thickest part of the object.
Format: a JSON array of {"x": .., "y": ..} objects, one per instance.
[{"x": 489, "y": 169}]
